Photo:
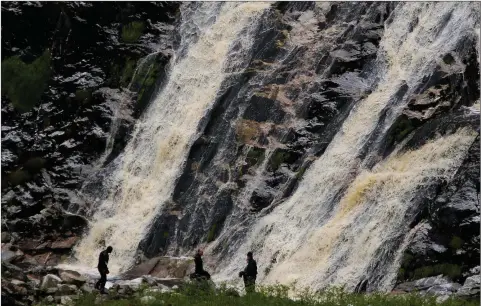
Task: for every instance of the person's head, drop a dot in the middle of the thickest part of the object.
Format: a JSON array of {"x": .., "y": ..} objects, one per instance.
[
  {"x": 109, "y": 249},
  {"x": 200, "y": 252},
  {"x": 249, "y": 255}
]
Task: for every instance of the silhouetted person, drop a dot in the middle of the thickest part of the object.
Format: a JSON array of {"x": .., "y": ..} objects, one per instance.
[
  {"x": 103, "y": 269},
  {"x": 199, "y": 272},
  {"x": 249, "y": 274}
]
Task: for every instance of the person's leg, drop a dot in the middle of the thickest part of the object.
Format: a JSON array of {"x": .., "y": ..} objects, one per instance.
[
  {"x": 103, "y": 280},
  {"x": 206, "y": 274},
  {"x": 97, "y": 284},
  {"x": 249, "y": 285}
]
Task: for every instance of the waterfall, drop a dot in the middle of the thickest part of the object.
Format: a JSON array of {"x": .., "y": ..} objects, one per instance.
[
  {"x": 147, "y": 171},
  {"x": 346, "y": 217}
]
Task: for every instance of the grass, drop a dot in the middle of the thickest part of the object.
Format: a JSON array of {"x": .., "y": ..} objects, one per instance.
[
  {"x": 24, "y": 83},
  {"x": 132, "y": 31},
  {"x": 193, "y": 295}
]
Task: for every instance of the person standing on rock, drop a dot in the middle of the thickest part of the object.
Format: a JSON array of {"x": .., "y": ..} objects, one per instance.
[
  {"x": 249, "y": 274},
  {"x": 103, "y": 269},
  {"x": 199, "y": 272}
]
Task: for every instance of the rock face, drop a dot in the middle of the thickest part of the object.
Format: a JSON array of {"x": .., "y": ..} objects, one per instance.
[
  {"x": 448, "y": 241},
  {"x": 85, "y": 90}
]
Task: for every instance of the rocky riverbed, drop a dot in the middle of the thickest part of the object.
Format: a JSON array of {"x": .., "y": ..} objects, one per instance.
[{"x": 62, "y": 284}]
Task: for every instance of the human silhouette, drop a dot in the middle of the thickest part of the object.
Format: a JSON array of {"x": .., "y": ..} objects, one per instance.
[
  {"x": 103, "y": 269},
  {"x": 249, "y": 274},
  {"x": 199, "y": 273}
]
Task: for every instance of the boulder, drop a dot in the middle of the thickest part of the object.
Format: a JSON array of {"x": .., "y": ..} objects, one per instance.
[
  {"x": 64, "y": 300},
  {"x": 50, "y": 281},
  {"x": 52, "y": 290},
  {"x": 49, "y": 299},
  {"x": 11, "y": 253},
  {"x": 422, "y": 284},
  {"x": 12, "y": 271},
  {"x": 86, "y": 288},
  {"x": 64, "y": 289},
  {"x": 148, "y": 299},
  {"x": 17, "y": 282},
  {"x": 470, "y": 289},
  {"x": 72, "y": 277},
  {"x": 443, "y": 289}
]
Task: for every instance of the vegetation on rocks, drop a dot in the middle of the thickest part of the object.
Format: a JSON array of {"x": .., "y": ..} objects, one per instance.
[
  {"x": 25, "y": 83},
  {"x": 132, "y": 31}
]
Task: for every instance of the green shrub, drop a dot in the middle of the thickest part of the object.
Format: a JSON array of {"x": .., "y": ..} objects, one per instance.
[
  {"x": 83, "y": 95},
  {"x": 456, "y": 243},
  {"x": 255, "y": 156},
  {"x": 34, "y": 165},
  {"x": 127, "y": 72},
  {"x": 278, "y": 158},
  {"x": 24, "y": 83},
  {"x": 132, "y": 31},
  {"x": 18, "y": 177},
  {"x": 450, "y": 270}
]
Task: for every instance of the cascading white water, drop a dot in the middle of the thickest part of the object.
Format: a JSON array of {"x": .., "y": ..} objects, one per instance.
[
  {"x": 152, "y": 160},
  {"x": 315, "y": 246}
]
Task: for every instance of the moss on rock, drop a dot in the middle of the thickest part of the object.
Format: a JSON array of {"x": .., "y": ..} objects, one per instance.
[
  {"x": 131, "y": 32},
  {"x": 24, "y": 83}
]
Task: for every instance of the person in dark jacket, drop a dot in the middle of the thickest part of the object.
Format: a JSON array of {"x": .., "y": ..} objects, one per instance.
[
  {"x": 249, "y": 274},
  {"x": 199, "y": 272},
  {"x": 103, "y": 269}
]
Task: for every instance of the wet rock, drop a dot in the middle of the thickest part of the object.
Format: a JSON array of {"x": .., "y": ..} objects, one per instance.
[
  {"x": 49, "y": 299},
  {"x": 64, "y": 243},
  {"x": 5, "y": 237},
  {"x": 161, "y": 267},
  {"x": 50, "y": 281}
]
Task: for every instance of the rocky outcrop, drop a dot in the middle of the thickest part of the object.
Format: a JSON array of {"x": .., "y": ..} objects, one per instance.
[
  {"x": 72, "y": 88},
  {"x": 51, "y": 285},
  {"x": 441, "y": 287}
]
